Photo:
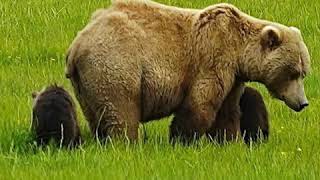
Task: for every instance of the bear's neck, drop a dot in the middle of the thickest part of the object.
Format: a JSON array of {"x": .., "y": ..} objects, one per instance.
[
  {"x": 222, "y": 44},
  {"x": 250, "y": 67},
  {"x": 220, "y": 49}
]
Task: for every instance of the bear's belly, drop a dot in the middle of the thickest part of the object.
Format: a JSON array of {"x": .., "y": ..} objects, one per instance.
[{"x": 160, "y": 98}]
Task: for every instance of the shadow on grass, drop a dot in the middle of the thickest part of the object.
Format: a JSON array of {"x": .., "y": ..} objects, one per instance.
[{"x": 21, "y": 143}]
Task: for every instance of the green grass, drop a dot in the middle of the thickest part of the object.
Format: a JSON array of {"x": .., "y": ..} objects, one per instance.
[{"x": 34, "y": 35}]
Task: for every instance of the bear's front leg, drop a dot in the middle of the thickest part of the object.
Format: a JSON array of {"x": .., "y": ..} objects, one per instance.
[
  {"x": 189, "y": 123},
  {"x": 198, "y": 111},
  {"x": 227, "y": 123}
]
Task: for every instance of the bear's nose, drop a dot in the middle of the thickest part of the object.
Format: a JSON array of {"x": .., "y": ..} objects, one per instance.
[{"x": 303, "y": 105}]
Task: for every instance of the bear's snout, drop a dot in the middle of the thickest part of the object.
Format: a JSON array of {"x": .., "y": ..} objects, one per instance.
[
  {"x": 297, "y": 105},
  {"x": 303, "y": 105}
]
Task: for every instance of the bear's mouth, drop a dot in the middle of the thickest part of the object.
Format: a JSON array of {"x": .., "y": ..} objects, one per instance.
[{"x": 297, "y": 107}]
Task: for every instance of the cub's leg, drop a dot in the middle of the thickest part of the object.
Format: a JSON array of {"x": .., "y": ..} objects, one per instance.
[{"x": 254, "y": 123}]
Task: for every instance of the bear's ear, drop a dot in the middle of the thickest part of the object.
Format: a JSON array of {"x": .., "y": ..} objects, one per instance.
[
  {"x": 270, "y": 37},
  {"x": 296, "y": 30}
]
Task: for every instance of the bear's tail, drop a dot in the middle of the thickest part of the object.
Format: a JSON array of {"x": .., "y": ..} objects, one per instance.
[
  {"x": 71, "y": 71},
  {"x": 70, "y": 67}
]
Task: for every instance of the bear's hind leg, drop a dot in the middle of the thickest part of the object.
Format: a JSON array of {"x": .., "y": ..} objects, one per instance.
[
  {"x": 109, "y": 93},
  {"x": 110, "y": 114},
  {"x": 121, "y": 122}
]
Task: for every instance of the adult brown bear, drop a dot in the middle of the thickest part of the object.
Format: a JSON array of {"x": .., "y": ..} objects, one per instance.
[{"x": 140, "y": 60}]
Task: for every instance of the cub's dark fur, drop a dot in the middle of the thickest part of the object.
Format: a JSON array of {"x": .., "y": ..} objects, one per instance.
[
  {"x": 54, "y": 117},
  {"x": 254, "y": 119}
]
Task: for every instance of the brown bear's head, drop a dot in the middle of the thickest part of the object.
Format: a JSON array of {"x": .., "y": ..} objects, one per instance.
[{"x": 281, "y": 61}]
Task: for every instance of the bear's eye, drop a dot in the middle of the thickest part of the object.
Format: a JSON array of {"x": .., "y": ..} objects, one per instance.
[{"x": 294, "y": 76}]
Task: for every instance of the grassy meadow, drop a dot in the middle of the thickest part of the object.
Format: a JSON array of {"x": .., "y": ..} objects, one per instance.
[{"x": 34, "y": 36}]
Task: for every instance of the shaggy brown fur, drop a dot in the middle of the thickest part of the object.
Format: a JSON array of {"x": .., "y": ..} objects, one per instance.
[
  {"x": 254, "y": 123},
  {"x": 54, "y": 117},
  {"x": 140, "y": 60}
]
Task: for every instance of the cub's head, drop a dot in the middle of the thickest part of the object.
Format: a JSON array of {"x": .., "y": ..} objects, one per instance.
[
  {"x": 51, "y": 92},
  {"x": 282, "y": 62}
]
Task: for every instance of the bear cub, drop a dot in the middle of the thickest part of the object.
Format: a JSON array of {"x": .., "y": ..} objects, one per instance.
[
  {"x": 254, "y": 124},
  {"x": 54, "y": 117}
]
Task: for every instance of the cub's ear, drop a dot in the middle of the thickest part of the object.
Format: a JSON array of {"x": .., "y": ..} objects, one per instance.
[
  {"x": 34, "y": 94},
  {"x": 270, "y": 37}
]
